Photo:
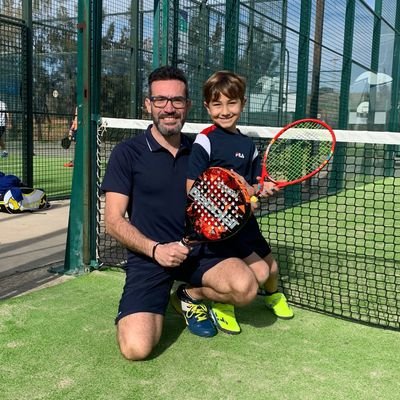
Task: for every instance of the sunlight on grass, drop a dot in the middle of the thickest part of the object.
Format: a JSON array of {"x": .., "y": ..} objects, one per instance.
[
  {"x": 49, "y": 172},
  {"x": 338, "y": 252},
  {"x": 55, "y": 342}
]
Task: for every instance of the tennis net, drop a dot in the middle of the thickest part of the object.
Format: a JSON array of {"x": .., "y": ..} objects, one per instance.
[{"x": 336, "y": 237}]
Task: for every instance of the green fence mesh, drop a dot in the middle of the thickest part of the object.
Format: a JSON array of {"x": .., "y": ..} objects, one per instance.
[
  {"x": 336, "y": 236},
  {"x": 38, "y": 83},
  {"x": 335, "y": 60}
]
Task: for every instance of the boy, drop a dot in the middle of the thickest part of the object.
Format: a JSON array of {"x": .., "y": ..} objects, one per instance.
[{"x": 223, "y": 145}]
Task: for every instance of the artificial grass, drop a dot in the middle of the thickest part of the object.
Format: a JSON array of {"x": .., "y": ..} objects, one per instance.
[
  {"x": 338, "y": 253},
  {"x": 59, "y": 343},
  {"x": 49, "y": 172}
]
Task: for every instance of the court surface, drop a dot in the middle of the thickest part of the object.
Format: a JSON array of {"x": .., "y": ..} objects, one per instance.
[{"x": 29, "y": 244}]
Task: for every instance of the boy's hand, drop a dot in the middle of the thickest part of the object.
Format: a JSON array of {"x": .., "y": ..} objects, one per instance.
[
  {"x": 250, "y": 189},
  {"x": 268, "y": 189}
]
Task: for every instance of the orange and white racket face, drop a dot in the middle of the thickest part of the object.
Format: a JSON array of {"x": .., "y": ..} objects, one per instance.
[{"x": 219, "y": 205}]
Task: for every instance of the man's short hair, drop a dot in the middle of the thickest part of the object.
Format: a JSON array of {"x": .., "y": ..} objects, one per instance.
[
  {"x": 227, "y": 83},
  {"x": 167, "y": 73}
]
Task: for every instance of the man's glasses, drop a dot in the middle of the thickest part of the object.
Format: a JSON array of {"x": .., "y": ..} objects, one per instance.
[{"x": 161, "y": 101}]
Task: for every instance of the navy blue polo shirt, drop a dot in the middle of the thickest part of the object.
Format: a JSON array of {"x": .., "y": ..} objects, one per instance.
[
  {"x": 155, "y": 182},
  {"x": 217, "y": 147}
]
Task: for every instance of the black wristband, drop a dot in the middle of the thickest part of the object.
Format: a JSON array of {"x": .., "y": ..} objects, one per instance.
[{"x": 154, "y": 251}]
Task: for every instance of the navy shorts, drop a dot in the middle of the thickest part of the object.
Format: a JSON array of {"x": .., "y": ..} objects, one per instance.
[
  {"x": 2, "y": 130},
  {"x": 250, "y": 239},
  {"x": 148, "y": 285}
]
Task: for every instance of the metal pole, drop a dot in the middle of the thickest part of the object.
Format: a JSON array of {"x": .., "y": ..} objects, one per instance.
[
  {"x": 27, "y": 119},
  {"x": 134, "y": 39},
  {"x": 316, "y": 70},
  {"x": 303, "y": 59},
  {"x": 231, "y": 34},
  {"x": 77, "y": 256}
]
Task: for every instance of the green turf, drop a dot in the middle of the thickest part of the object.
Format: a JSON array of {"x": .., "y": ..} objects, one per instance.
[
  {"x": 338, "y": 253},
  {"x": 355, "y": 220},
  {"x": 49, "y": 172},
  {"x": 59, "y": 343}
]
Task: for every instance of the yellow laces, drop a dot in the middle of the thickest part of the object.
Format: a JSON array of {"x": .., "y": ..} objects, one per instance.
[{"x": 199, "y": 311}]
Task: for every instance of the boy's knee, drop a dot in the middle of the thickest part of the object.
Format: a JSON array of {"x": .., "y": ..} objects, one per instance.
[
  {"x": 272, "y": 265},
  {"x": 245, "y": 292},
  {"x": 262, "y": 275}
]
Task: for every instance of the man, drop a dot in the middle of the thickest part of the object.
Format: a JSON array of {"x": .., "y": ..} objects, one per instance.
[
  {"x": 146, "y": 177},
  {"x": 4, "y": 122}
]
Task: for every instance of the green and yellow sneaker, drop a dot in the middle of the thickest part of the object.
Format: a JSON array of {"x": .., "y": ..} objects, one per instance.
[
  {"x": 224, "y": 318},
  {"x": 278, "y": 304}
]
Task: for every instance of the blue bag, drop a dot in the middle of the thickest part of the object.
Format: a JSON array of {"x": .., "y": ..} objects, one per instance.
[{"x": 15, "y": 197}]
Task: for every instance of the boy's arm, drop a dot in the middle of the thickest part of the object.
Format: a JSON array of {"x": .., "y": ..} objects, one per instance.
[
  {"x": 199, "y": 159},
  {"x": 269, "y": 188}
]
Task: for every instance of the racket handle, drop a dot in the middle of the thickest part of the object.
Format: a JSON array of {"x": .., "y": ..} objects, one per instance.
[
  {"x": 261, "y": 292},
  {"x": 260, "y": 185},
  {"x": 185, "y": 243}
]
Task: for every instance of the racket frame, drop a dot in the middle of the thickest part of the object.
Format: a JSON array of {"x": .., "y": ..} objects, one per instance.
[{"x": 280, "y": 184}]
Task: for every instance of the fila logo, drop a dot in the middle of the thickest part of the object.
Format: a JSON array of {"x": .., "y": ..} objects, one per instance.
[{"x": 239, "y": 155}]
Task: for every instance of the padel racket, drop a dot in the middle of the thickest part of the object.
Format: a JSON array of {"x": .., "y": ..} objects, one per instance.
[
  {"x": 66, "y": 142},
  {"x": 218, "y": 207},
  {"x": 297, "y": 152}
]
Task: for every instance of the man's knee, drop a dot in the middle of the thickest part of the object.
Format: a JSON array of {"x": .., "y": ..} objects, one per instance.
[
  {"x": 138, "y": 334},
  {"x": 135, "y": 351}
]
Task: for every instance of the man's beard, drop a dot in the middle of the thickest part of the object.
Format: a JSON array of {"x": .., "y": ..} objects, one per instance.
[{"x": 165, "y": 130}]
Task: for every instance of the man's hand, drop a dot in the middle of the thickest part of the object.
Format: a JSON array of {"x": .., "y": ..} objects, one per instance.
[{"x": 171, "y": 254}]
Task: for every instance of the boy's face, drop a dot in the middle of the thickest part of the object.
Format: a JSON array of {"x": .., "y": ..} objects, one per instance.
[{"x": 225, "y": 112}]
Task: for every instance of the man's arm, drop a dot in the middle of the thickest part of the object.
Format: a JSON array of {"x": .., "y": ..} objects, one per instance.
[
  {"x": 119, "y": 228},
  {"x": 168, "y": 255}
]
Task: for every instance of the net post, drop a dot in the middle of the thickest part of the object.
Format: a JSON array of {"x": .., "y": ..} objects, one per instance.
[{"x": 81, "y": 236}]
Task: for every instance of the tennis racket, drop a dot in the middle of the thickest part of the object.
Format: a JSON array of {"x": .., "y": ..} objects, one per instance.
[
  {"x": 297, "y": 152},
  {"x": 218, "y": 207}
]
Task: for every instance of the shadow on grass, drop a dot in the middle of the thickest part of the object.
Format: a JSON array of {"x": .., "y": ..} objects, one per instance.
[
  {"x": 256, "y": 314},
  {"x": 174, "y": 325}
]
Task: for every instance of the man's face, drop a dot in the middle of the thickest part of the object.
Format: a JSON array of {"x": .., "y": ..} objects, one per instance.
[{"x": 169, "y": 118}]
